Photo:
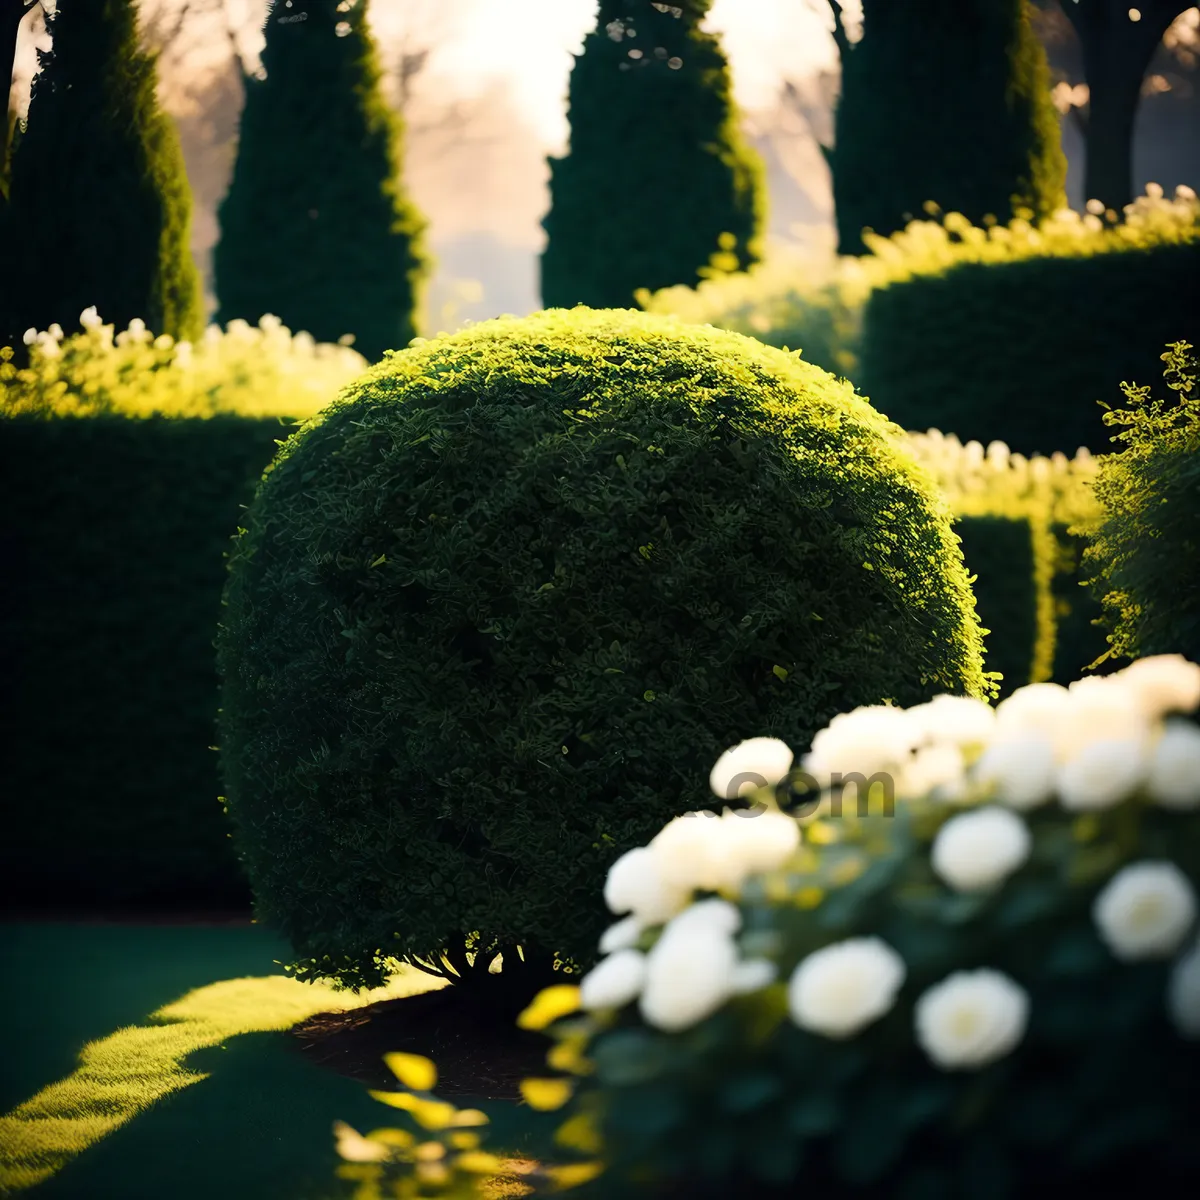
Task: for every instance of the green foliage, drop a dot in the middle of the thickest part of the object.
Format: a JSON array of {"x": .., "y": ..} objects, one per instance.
[
  {"x": 493, "y": 605},
  {"x": 788, "y": 300},
  {"x": 1144, "y": 561},
  {"x": 262, "y": 371},
  {"x": 120, "y": 498},
  {"x": 953, "y": 302},
  {"x": 945, "y": 102},
  {"x": 999, "y": 552},
  {"x": 1022, "y": 351},
  {"x": 658, "y": 182},
  {"x": 1023, "y": 523},
  {"x": 99, "y": 208},
  {"x": 316, "y": 226},
  {"x": 1100, "y": 1087}
]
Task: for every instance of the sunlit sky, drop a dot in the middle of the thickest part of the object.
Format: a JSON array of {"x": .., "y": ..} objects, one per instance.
[{"x": 529, "y": 42}]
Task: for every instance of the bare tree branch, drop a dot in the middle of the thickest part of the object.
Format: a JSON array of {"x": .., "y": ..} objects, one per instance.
[{"x": 840, "y": 37}]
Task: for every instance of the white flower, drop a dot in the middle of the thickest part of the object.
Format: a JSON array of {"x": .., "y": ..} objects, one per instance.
[
  {"x": 936, "y": 771},
  {"x": 1183, "y": 994},
  {"x": 759, "y": 839},
  {"x": 1019, "y": 768},
  {"x": 1145, "y": 911},
  {"x": 634, "y": 884},
  {"x": 977, "y": 850},
  {"x": 1035, "y": 708},
  {"x": 971, "y": 1018},
  {"x": 1102, "y": 774},
  {"x": 137, "y": 328},
  {"x": 1100, "y": 709},
  {"x": 714, "y": 914},
  {"x": 56, "y": 332},
  {"x": 29, "y": 336},
  {"x": 870, "y": 739},
  {"x": 753, "y": 975},
  {"x": 353, "y": 1147},
  {"x": 842, "y": 988},
  {"x": 695, "y": 851},
  {"x": 757, "y": 762},
  {"x": 621, "y": 936},
  {"x": 958, "y": 720},
  {"x": 689, "y": 975},
  {"x": 1164, "y": 683},
  {"x": 90, "y": 319},
  {"x": 616, "y": 981},
  {"x": 1173, "y": 779}
]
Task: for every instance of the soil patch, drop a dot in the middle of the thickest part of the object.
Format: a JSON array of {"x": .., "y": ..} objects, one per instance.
[{"x": 472, "y": 1037}]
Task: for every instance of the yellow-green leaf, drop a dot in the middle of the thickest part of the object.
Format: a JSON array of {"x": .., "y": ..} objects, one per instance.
[
  {"x": 413, "y": 1070},
  {"x": 545, "y": 1095}
]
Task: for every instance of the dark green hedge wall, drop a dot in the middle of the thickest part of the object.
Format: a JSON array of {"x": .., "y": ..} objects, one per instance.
[
  {"x": 999, "y": 553},
  {"x": 1024, "y": 351},
  {"x": 114, "y": 539}
]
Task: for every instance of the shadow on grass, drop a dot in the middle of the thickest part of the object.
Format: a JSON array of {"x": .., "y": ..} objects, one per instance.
[{"x": 258, "y": 1128}]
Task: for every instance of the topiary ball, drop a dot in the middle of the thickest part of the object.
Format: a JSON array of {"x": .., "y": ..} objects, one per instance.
[{"x": 492, "y": 607}]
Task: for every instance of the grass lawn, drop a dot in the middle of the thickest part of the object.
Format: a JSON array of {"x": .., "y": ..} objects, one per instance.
[{"x": 208, "y": 1098}]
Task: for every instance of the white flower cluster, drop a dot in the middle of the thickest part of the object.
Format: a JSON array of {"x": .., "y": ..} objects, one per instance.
[
  {"x": 262, "y": 370},
  {"x": 1091, "y": 745}
]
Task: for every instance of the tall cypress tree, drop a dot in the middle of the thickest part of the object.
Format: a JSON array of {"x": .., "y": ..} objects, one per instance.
[
  {"x": 316, "y": 227},
  {"x": 944, "y": 101},
  {"x": 658, "y": 178},
  {"x": 99, "y": 210}
]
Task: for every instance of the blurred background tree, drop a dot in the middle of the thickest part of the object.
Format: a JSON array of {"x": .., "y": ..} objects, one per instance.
[
  {"x": 317, "y": 227},
  {"x": 946, "y": 102},
  {"x": 658, "y": 178},
  {"x": 1104, "y": 53},
  {"x": 99, "y": 208}
]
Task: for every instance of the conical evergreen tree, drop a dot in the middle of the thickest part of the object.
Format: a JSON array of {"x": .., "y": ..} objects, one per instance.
[
  {"x": 316, "y": 227},
  {"x": 99, "y": 209},
  {"x": 944, "y": 102},
  {"x": 658, "y": 178}
]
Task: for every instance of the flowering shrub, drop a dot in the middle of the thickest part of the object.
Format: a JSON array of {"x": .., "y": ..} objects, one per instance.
[
  {"x": 998, "y": 982},
  {"x": 261, "y": 371}
]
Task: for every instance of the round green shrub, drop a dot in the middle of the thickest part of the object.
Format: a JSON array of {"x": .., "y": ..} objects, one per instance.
[
  {"x": 494, "y": 604},
  {"x": 1144, "y": 559}
]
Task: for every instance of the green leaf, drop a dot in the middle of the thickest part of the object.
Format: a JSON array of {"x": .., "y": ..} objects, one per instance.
[
  {"x": 813, "y": 1115},
  {"x": 744, "y": 1093},
  {"x": 629, "y": 1056},
  {"x": 872, "y": 1140},
  {"x": 780, "y": 672}
]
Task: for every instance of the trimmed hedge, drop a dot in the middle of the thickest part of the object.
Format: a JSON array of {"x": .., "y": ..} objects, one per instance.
[
  {"x": 1023, "y": 523},
  {"x": 659, "y": 183},
  {"x": 494, "y": 604},
  {"x": 118, "y": 514},
  {"x": 1037, "y": 321},
  {"x": 999, "y": 552},
  {"x": 115, "y": 536},
  {"x": 1024, "y": 350}
]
